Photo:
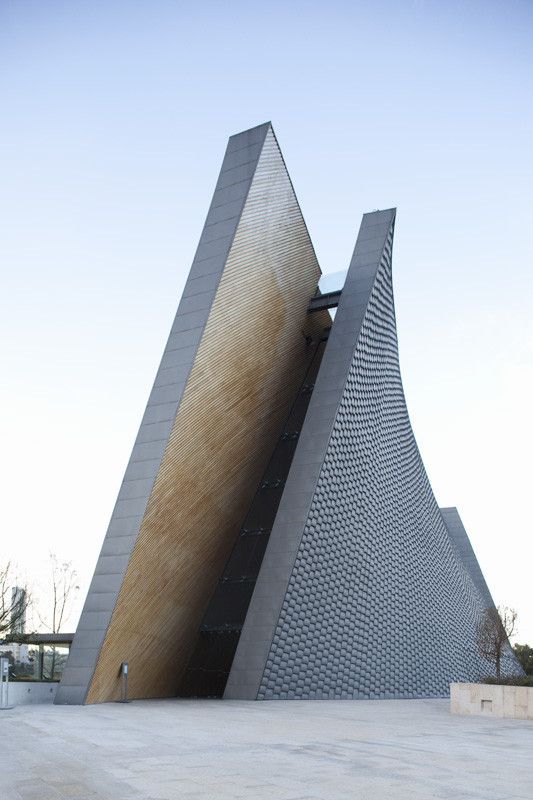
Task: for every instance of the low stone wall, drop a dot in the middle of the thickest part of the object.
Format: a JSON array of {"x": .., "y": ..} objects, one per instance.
[
  {"x": 486, "y": 699},
  {"x": 22, "y": 693}
]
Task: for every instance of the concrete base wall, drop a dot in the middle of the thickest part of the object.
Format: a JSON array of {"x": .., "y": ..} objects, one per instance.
[
  {"x": 22, "y": 693},
  {"x": 484, "y": 699}
]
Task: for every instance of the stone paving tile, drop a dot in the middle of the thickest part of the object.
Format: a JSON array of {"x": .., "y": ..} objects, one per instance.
[{"x": 289, "y": 750}]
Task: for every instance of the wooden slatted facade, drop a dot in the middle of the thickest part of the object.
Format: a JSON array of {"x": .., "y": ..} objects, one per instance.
[{"x": 250, "y": 362}]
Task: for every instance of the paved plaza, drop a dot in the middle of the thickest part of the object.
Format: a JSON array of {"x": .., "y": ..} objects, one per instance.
[{"x": 285, "y": 750}]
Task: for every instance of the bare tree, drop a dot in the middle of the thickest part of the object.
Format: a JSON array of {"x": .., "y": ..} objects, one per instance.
[
  {"x": 64, "y": 589},
  {"x": 14, "y": 602},
  {"x": 495, "y": 628}
]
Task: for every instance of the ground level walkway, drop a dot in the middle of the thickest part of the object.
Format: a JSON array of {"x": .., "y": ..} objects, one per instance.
[{"x": 353, "y": 750}]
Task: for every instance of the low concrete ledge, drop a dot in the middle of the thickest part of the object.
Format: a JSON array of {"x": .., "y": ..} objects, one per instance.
[
  {"x": 487, "y": 699},
  {"x": 22, "y": 693}
]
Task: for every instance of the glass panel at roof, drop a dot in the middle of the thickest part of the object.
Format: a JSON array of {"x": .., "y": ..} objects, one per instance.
[{"x": 332, "y": 282}]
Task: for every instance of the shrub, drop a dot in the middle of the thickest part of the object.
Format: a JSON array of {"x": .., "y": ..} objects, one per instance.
[
  {"x": 526, "y": 680},
  {"x": 524, "y": 654}
]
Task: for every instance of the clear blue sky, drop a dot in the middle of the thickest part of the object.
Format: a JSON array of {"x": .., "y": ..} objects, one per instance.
[{"x": 115, "y": 117}]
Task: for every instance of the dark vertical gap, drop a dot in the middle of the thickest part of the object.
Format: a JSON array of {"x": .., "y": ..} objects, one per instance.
[{"x": 208, "y": 670}]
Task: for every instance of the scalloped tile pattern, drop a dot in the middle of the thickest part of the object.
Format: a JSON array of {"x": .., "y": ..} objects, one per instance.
[{"x": 379, "y": 603}]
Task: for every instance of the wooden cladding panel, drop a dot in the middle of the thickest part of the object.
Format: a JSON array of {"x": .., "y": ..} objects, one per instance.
[{"x": 250, "y": 363}]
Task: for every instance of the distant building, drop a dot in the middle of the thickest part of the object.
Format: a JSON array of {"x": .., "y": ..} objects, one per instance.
[
  {"x": 18, "y": 609},
  {"x": 18, "y": 623}
]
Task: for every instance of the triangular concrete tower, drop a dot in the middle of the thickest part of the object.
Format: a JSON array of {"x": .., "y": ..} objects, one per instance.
[
  {"x": 362, "y": 593},
  {"x": 275, "y": 534},
  {"x": 236, "y": 355}
]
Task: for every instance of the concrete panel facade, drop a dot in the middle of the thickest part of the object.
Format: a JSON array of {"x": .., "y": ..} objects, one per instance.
[
  {"x": 489, "y": 700},
  {"x": 235, "y": 353}
]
